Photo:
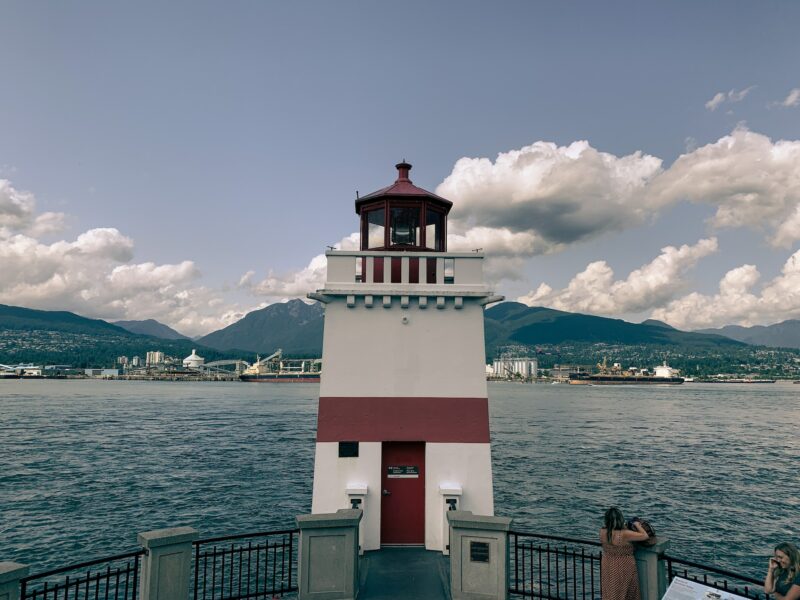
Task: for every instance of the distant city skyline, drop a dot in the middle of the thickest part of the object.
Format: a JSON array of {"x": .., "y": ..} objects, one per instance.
[{"x": 190, "y": 162}]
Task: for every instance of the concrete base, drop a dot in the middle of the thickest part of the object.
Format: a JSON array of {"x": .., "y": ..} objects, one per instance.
[
  {"x": 328, "y": 555},
  {"x": 478, "y": 556},
  {"x": 10, "y": 574}
]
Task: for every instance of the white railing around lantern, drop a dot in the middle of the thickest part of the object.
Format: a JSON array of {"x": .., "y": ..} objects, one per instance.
[{"x": 426, "y": 268}]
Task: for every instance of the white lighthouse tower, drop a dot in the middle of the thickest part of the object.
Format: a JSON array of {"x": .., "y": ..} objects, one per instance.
[{"x": 403, "y": 424}]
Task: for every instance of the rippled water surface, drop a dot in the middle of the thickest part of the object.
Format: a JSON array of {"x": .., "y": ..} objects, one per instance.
[{"x": 85, "y": 465}]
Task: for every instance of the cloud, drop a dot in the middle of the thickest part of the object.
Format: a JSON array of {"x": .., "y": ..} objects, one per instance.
[
  {"x": 752, "y": 181},
  {"x": 18, "y": 213},
  {"x": 93, "y": 275},
  {"x": 793, "y": 99},
  {"x": 535, "y": 200},
  {"x": 595, "y": 291},
  {"x": 730, "y": 96},
  {"x": 296, "y": 284},
  {"x": 555, "y": 195},
  {"x": 542, "y": 198},
  {"x": 499, "y": 241},
  {"x": 737, "y": 302},
  {"x": 714, "y": 103}
]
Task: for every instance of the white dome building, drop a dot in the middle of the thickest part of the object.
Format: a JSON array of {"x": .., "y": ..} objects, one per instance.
[{"x": 193, "y": 361}]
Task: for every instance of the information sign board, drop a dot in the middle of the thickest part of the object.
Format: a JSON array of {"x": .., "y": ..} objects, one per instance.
[
  {"x": 402, "y": 472},
  {"x": 684, "y": 589}
]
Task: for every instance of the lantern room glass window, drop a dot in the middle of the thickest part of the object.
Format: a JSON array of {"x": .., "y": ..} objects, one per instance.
[
  {"x": 434, "y": 230},
  {"x": 404, "y": 229},
  {"x": 376, "y": 228}
]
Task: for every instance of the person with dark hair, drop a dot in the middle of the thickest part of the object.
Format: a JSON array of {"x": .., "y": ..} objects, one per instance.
[
  {"x": 619, "y": 579},
  {"x": 783, "y": 576}
]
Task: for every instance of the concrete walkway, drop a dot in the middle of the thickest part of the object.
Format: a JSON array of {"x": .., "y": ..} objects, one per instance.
[{"x": 405, "y": 573}]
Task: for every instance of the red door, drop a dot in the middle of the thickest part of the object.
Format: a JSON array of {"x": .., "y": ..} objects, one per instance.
[{"x": 403, "y": 493}]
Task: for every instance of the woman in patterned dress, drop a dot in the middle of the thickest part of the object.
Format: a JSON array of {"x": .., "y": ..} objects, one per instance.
[{"x": 618, "y": 576}]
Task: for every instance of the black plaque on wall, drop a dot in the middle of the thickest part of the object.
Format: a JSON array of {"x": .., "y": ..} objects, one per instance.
[{"x": 348, "y": 449}]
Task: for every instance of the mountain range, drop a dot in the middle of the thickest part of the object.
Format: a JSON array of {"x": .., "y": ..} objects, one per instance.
[
  {"x": 780, "y": 335},
  {"x": 152, "y": 328},
  {"x": 294, "y": 326},
  {"x": 60, "y": 337},
  {"x": 515, "y": 323}
]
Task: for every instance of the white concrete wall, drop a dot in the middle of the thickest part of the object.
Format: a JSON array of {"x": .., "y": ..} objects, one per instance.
[
  {"x": 468, "y": 466},
  {"x": 411, "y": 352},
  {"x": 332, "y": 476}
]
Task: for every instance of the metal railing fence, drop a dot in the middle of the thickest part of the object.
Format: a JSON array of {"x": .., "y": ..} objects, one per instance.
[
  {"x": 717, "y": 578},
  {"x": 553, "y": 567},
  {"x": 110, "y": 578},
  {"x": 252, "y": 565}
]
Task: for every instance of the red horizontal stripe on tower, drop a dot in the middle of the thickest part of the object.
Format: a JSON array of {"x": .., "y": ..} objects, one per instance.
[{"x": 399, "y": 419}]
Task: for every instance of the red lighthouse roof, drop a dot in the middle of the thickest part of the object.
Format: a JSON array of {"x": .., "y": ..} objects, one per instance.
[{"x": 403, "y": 187}]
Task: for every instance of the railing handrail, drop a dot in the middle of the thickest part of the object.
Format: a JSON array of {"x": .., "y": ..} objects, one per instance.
[
  {"x": 555, "y": 538},
  {"x": 237, "y": 536},
  {"x": 89, "y": 563},
  {"x": 730, "y": 574}
]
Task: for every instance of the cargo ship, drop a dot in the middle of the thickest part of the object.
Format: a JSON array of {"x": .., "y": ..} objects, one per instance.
[
  {"x": 275, "y": 369},
  {"x": 615, "y": 375}
]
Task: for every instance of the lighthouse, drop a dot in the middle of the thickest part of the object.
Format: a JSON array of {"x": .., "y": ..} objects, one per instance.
[{"x": 403, "y": 421}]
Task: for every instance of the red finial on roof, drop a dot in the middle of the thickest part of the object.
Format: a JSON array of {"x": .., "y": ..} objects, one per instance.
[{"x": 402, "y": 171}]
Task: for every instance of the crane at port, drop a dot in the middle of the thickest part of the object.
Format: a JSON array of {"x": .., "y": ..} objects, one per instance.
[{"x": 274, "y": 356}]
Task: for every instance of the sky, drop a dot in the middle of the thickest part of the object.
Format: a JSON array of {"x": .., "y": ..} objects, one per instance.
[{"x": 190, "y": 161}]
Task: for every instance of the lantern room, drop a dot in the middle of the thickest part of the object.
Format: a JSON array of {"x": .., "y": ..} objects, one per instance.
[{"x": 403, "y": 217}]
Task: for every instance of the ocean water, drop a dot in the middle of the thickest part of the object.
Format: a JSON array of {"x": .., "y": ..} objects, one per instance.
[{"x": 85, "y": 465}]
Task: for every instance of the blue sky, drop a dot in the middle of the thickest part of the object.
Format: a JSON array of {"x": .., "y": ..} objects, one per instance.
[{"x": 155, "y": 153}]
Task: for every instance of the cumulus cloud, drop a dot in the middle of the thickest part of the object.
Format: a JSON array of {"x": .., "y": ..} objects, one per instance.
[
  {"x": 296, "y": 284},
  {"x": 18, "y": 213},
  {"x": 595, "y": 290},
  {"x": 737, "y": 302},
  {"x": 555, "y": 195},
  {"x": 730, "y": 96},
  {"x": 500, "y": 241},
  {"x": 536, "y": 200},
  {"x": 543, "y": 197},
  {"x": 752, "y": 182},
  {"x": 93, "y": 275}
]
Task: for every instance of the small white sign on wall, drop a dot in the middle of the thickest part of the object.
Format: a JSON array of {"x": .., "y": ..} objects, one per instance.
[{"x": 684, "y": 589}]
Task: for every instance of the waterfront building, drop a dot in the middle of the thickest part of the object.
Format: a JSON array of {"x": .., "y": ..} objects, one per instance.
[
  {"x": 136, "y": 361},
  {"x": 154, "y": 358},
  {"x": 403, "y": 424},
  {"x": 507, "y": 367},
  {"x": 102, "y": 373},
  {"x": 122, "y": 360},
  {"x": 193, "y": 361}
]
